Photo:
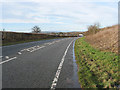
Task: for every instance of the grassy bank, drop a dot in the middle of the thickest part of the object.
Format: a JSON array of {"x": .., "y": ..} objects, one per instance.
[{"x": 96, "y": 69}]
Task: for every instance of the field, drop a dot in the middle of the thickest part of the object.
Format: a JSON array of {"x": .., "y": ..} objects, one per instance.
[{"x": 96, "y": 69}]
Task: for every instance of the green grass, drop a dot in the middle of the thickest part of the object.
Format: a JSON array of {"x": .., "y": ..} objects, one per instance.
[{"x": 96, "y": 69}]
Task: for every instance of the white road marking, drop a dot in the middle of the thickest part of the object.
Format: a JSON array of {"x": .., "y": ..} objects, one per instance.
[
  {"x": 8, "y": 60},
  {"x": 28, "y": 50},
  {"x": 50, "y": 43},
  {"x": 23, "y": 50},
  {"x": 19, "y": 53},
  {"x": 37, "y": 48},
  {"x": 1, "y": 56},
  {"x": 46, "y": 43},
  {"x": 41, "y": 47},
  {"x": 54, "y": 83},
  {"x": 6, "y": 57}
]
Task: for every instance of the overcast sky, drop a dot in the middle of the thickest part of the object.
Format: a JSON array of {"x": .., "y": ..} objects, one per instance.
[{"x": 57, "y": 15}]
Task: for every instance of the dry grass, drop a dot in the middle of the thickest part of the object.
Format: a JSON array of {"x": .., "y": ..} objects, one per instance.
[{"x": 106, "y": 39}]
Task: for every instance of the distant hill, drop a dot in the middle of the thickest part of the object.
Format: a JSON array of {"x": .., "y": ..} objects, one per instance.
[{"x": 106, "y": 39}]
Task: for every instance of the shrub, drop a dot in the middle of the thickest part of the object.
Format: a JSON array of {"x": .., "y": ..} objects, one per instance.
[{"x": 93, "y": 29}]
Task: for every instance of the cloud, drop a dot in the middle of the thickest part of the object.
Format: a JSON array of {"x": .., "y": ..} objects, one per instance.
[
  {"x": 36, "y": 20},
  {"x": 60, "y": 1},
  {"x": 66, "y": 13}
]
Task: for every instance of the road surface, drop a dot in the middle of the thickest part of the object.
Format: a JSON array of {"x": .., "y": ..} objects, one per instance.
[{"x": 39, "y": 64}]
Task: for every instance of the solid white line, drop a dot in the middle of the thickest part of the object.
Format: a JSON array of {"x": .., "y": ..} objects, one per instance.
[
  {"x": 54, "y": 83},
  {"x": 8, "y": 60}
]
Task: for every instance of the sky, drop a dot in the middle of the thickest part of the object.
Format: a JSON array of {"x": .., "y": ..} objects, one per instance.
[{"x": 57, "y": 15}]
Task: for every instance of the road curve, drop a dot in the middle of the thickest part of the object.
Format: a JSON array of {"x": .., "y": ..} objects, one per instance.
[{"x": 37, "y": 64}]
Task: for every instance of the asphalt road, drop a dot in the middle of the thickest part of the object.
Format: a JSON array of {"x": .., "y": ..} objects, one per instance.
[{"x": 40, "y": 64}]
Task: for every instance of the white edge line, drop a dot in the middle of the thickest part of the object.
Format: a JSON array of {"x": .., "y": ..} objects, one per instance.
[
  {"x": 8, "y": 60},
  {"x": 55, "y": 80}
]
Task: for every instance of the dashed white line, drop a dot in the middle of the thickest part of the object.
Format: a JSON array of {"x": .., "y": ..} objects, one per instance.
[
  {"x": 37, "y": 48},
  {"x": 6, "y": 57},
  {"x": 19, "y": 53},
  {"x": 55, "y": 80},
  {"x": 28, "y": 50},
  {"x": 1, "y": 56},
  {"x": 8, "y": 60},
  {"x": 23, "y": 50}
]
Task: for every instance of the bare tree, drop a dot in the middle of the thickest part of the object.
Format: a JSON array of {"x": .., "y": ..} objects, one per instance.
[
  {"x": 36, "y": 29},
  {"x": 92, "y": 29}
]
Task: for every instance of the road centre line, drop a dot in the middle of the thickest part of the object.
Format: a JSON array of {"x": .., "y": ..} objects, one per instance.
[
  {"x": 23, "y": 50},
  {"x": 1, "y": 56},
  {"x": 19, "y": 53},
  {"x": 55, "y": 80},
  {"x": 7, "y": 57},
  {"x": 8, "y": 60},
  {"x": 33, "y": 47},
  {"x": 37, "y": 49},
  {"x": 28, "y": 48}
]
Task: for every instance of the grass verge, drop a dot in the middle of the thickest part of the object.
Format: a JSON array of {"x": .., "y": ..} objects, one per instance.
[{"x": 96, "y": 69}]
